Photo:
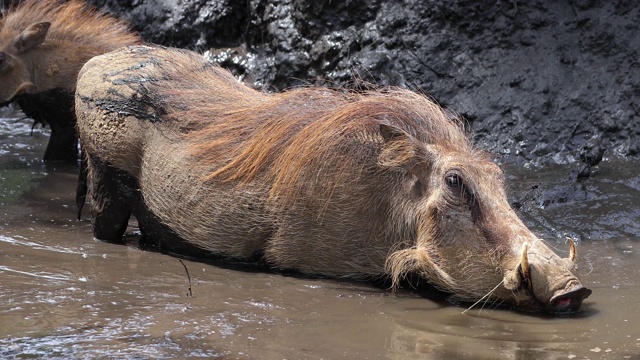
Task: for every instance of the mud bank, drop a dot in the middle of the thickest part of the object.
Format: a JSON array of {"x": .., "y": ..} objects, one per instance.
[{"x": 535, "y": 80}]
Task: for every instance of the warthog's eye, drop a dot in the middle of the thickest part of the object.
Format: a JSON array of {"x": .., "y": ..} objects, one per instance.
[
  {"x": 454, "y": 180},
  {"x": 455, "y": 183}
]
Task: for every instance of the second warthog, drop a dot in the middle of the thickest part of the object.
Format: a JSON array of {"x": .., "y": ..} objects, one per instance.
[
  {"x": 43, "y": 45},
  {"x": 348, "y": 185}
]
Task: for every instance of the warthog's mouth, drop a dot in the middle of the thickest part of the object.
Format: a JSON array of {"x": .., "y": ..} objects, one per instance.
[
  {"x": 566, "y": 301},
  {"x": 570, "y": 301}
]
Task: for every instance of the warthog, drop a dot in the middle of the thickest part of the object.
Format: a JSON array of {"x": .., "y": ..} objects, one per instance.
[
  {"x": 43, "y": 45},
  {"x": 326, "y": 182}
]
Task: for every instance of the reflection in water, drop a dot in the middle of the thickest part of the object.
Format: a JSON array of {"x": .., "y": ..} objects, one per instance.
[{"x": 64, "y": 295}]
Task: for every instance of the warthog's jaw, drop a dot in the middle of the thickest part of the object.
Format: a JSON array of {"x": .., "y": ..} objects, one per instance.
[
  {"x": 8, "y": 102},
  {"x": 11, "y": 100},
  {"x": 567, "y": 299},
  {"x": 24, "y": 88}
]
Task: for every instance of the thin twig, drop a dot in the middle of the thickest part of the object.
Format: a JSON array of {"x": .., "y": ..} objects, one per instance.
[{"x": 188, "y": 277}]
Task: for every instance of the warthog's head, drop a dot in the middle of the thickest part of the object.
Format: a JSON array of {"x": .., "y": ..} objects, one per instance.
[
  {"x": 469, "y": 241},
  {"x": 15, "y": 74}
]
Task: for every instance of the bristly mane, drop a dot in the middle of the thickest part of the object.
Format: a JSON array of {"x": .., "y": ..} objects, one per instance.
[
  {"x": 71, "y": 22},
  {"x": 293, "y": 137}
]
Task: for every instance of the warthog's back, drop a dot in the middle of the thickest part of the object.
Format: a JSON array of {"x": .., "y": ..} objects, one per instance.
[{"x": 121, "y": 100}]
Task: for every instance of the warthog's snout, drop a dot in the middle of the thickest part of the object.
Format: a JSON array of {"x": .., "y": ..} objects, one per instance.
[
  {"x": 566, "y": 302},
  {"x": 548, "y": 282}
]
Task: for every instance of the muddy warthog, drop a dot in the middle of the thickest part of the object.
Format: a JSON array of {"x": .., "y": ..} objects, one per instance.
[
  {"x": 355, "y": 185},
  {"x": 43, "y": 45}
]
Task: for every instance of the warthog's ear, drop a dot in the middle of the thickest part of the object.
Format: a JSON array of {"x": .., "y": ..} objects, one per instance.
[
  {"x": 401, "y": 150},
  {"x": 32, "y": 36}
]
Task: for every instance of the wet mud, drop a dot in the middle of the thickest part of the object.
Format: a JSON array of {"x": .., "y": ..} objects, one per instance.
[{"x": 66, "y": 295}]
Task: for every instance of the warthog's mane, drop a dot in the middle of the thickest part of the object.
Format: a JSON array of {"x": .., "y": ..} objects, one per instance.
[
  {"x": 296, "y": 137},
  {"x": 71, "y": 22}
]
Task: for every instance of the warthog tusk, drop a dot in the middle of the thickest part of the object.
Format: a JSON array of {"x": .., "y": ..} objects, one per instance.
[
  {"x": 524, "y": 265},
  {"x": 572, "y": 249}
]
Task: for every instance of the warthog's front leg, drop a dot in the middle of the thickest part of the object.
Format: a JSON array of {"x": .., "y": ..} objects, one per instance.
[{"x": 113, "y": 193}]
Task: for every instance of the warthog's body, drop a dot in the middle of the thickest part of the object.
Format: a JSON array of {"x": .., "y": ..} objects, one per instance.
[
  {"x": 43, "y": 45},
  {"x": 323, "y": 182}
]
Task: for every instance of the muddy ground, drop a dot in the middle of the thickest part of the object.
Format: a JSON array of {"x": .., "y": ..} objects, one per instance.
[{"x": 535, "y": 79}]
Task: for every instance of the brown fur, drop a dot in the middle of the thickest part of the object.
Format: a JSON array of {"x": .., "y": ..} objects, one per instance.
[
  {"x": 285, "y": 133},
  {"x": 76, "y": 34},
  {"x": 322, "y": 181}
]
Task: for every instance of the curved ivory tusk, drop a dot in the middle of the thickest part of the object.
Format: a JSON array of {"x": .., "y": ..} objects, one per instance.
[
  {"x": 572, "y": 249},
  {"x": 524, "y": 264}
]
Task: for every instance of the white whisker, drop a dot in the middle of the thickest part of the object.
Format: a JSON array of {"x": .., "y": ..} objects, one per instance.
[{"x": 484, "y": 297}]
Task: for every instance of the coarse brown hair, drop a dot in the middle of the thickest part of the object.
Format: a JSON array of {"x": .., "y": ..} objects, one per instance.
[
  {"x": 289, "y": 135},
  {"x": 71, "y": 22}
]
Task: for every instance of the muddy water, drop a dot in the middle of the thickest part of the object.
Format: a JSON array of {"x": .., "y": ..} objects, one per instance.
[{"x": 65, "y": 295}]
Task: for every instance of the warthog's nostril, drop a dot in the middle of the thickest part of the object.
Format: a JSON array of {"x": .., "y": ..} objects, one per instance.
[
  {"x": 563, "y": 303},
  {"x": 570, "y": 301}
]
